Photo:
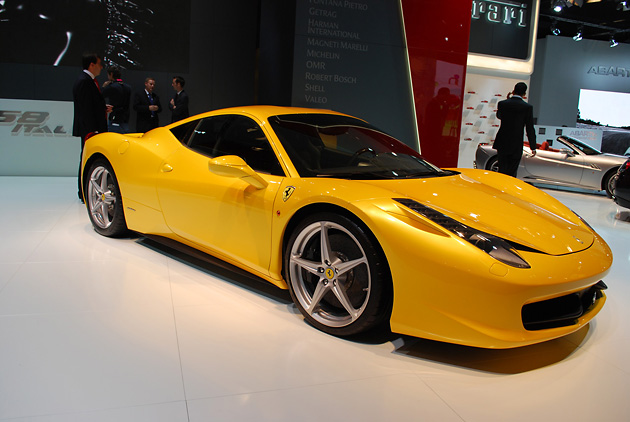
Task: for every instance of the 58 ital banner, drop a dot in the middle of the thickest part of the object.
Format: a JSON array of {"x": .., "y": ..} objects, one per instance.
[{"x": 36, "y": 138}]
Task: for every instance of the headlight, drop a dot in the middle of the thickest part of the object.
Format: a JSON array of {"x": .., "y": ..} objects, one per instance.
[{"x": 494, "y": 246}]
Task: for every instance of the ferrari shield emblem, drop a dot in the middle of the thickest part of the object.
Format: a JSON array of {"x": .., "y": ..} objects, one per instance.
[{"x": 287, "y": 193}]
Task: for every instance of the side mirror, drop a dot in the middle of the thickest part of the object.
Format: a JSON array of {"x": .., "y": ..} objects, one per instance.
[
  {"x": 235, "y": 167},
  {"x": 568, "y": 152}
]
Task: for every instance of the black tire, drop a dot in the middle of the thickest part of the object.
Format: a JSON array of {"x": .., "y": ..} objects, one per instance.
[
  {"x": 343, "y": 289},
  {"x": 493, "y": 164},
  {"x": 607, "y": 182},
  {"x": 103, "y": 201}
]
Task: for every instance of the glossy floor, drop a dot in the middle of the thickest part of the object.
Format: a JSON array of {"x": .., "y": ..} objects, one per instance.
[{"x": 98, "y": 329}]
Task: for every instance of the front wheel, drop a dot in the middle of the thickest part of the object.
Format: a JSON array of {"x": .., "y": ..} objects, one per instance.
[
  {"x": 338, "y": 277},
  {"x": 103, "y": 200}
]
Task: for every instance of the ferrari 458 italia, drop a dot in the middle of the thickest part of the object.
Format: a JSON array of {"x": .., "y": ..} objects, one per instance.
[{"x": 358, "y": 226}]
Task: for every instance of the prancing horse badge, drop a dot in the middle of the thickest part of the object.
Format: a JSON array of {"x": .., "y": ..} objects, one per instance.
[{"x": 287, "y": 193}]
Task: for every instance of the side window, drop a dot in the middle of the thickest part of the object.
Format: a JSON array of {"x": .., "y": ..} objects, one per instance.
[
  {"x": 183, "y": 132},
  {"x": 206, "y": 134},
  {"x": 243, "y": 137}
]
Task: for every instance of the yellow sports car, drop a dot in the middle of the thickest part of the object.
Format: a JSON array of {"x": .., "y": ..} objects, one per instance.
[{"x": 358, "y": 226}]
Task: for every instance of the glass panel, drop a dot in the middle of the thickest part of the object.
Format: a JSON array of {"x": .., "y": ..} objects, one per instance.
[{"x": 327, "y": 145}]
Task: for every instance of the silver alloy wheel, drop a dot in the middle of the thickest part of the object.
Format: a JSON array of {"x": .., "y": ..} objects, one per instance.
[
  {"x": 330, "y": 274},
  {"x": 101, "y": 197},
  {"x": 495, "y": 166},
  {"x": 610, "y": 185}
]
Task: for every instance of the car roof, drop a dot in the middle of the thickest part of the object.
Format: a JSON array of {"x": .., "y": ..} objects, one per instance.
[{"x": 263, "y": 112}]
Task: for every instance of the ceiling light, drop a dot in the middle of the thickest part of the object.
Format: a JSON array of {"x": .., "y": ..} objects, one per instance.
[
  {"x": 613, "y": 43},
  {"x": 557, "y": 5},
  {"x": 578, "y": 36},
  {"x": 554, "y": 29}
]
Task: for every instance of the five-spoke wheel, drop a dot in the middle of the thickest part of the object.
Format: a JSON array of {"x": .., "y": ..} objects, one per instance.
[
  {"x": 338, "y": 279},
  {"x": 103, "y": 200}
]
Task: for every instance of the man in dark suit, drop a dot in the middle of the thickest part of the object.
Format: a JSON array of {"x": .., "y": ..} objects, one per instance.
[
  {"x": 90, "y": 110},
  {"x": 515, "y": 115},
  {"x": 147, "y": 106},
  {"x": 118, "y": 95},
  {"x": 179, "y": 102}
]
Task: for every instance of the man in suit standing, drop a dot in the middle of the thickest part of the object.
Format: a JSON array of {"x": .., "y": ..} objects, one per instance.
[
  {"x": 147, "y": 106},
  {"x": 118, "y": 94},
  {"x": 179, "y": 102},
  {"x": 90, "y": 110},
  {"x": 515, "y": 115}
]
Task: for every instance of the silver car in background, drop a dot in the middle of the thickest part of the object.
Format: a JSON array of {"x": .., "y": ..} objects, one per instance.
[{"x": 568, "y": 162}]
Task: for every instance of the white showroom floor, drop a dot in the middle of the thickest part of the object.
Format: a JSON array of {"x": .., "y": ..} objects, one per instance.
[{"x": 98, "y": 329}]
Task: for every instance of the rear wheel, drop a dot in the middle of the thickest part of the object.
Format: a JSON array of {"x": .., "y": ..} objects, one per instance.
[
  {"x": 607, "y": 182},
  {"x": 493, "y": 164},
  {"x": 103, "y": 200},
  {"x": 338, "y": 278}
]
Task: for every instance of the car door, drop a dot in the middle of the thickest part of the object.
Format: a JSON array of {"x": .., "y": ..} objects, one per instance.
[
  {"x": 560, "y": 164},
  {"x": 226, "y": 215}
]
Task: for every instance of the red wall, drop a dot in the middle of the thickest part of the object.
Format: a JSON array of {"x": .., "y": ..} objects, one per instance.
[{"x": 437, "y": 42}]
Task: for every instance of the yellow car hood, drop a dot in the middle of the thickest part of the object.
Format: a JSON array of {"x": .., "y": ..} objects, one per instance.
[{"x": 501, "y": 206}]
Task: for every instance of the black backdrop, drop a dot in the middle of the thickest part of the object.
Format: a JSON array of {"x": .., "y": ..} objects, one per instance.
[
  {"x": 230, "y": 53},
  {"x": 211, "y": 43}
]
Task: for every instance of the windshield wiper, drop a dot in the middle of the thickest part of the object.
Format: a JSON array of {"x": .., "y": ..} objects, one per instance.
[{"x": 431, "y": 173}]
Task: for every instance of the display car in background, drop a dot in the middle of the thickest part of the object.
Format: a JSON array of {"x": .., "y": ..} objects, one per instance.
[
  {"x": 621, "y": 185},
  {"x": 357, "y": 225},
  {"x": 568, "y": 162}
]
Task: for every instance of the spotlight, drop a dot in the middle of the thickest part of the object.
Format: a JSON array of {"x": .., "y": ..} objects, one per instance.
[
  {"x": 613, "y": 42},
  {"x": 554, "y": 29},
  {"x": 578, "y": 36},
  {"x": 558, "y": 5},
  {"x": 623, "y": 5}
]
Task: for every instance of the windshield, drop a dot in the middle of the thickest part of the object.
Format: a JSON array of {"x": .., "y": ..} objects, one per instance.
[
  {"x": 578, "y": 146},
  {"x": 328, "y": 145}
]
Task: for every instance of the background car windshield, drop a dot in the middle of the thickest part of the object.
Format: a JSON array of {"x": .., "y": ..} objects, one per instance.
[
  {"x": 328, "y": 145},
  {"x": 578, "y": 146}
]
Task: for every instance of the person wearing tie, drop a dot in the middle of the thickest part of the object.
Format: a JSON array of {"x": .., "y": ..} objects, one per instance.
[
  {"x": 90, "y": 110},
  {"x": 147, "y": 106},
  {"x": 179, "y": 102}
]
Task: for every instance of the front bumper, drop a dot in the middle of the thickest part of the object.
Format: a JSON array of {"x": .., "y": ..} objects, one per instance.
[{"x": 445, "y": 292}]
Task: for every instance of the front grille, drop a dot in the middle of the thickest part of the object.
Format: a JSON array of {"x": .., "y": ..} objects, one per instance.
[{"x": 562, "y": 311}]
